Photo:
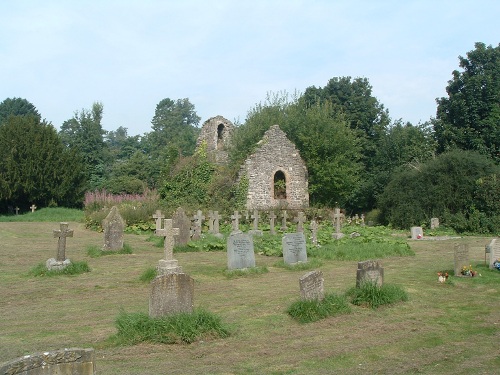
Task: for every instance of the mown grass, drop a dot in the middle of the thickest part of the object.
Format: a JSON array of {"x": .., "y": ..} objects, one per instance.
[
  {"x": 52, "y": 214},
  {"x": 311, "y": 263},
  {"x": 94, "y": 251},
  {"x": 307, "y": 311},
  {"x": 75, "y": 268}
]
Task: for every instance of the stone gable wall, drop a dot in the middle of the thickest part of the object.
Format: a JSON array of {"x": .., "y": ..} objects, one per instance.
[{"x": 215, "y": 147}]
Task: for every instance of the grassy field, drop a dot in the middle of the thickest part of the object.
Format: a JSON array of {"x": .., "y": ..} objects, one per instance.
[{"x": 451, "y": 328}]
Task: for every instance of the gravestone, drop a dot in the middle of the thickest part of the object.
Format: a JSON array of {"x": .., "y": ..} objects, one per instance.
[
  {"x": 362, "y": 220},
  {"x": 198, "y": 223},
  {"x": 171, "y": 294},
  {"x": 168, "y": 264},
  {"x": 33, "y": 208},
  {"x": 210, "y": 221},
  {"x": 216, "y": 228},
  {"x": 417, "y": 233},
  {"x": 294, "y": 248},
  {"x": 300, "y": 220},
  {"x": 255, "y": 231},
  {"x": 494, "y": 251},
  {"x": 181, "y": 221},
  {"x": 314, "y": 232},
  {"x": 337, "y": 217},
  {"x": 240, "y": 253},
  {"x": 235, "y": 222},
  {"x": 113, "y": 226},
  {"x": 369, "y": 271},
  {"x": 460, "y": 258},
  {"x": 17, "y": 210},
  {"x": 158, "y": 216},
  {"x": 311, "y": 286},
  {"x": 434, "y": 223},
  {"x": 272, "y": 217},
  {"x": 283, "y": 221},
  {"x": 60, "y": 262},
  {"x": 72, "y": 361}
]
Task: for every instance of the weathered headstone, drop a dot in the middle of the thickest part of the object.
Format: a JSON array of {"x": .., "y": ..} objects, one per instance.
[
  {"x": 158, "y": 216},
  {"x": 17, "y": 210},
  {"x": 168, "y": 264},
  {"x": 198, "y": 224},
  {"x": 33, "y": 208},
  {"x": 369, "y": 271},
  {"x": 417, "y": 233},
  {"x": 210, "y": 221},
  {"x": 362, "y": 220},
  {"x": 72, "y": 361},
  {"x": 294, "y": 248},
  {"x": 216, "y": 229},
  {"x": 460, "y": 258},
  {"x": 494, "y": 251},
  {"x": 314, "y": 232},
  {"x": 300, "y": 220},
  {"x": 337, "y": 217},
  {"x": 240, "y": 253},
  {"x": 171, "y": 294},
  {"x": 311, "y": 286},
  {"x": 235, "y": 222},
  {"x": 181, "y": 220},
  {"x": 113, "y": 226},
  {"x": 255, "y": 231},
  {"x": 283, "y": 221},
  {"x": 272, "y": 218},
  {"x": 434, "y": 223},
  {"x": 60, "y": 262}
]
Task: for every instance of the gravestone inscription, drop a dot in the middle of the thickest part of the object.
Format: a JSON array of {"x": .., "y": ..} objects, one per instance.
[
  {"x": 311, "y": 286},
  {"x": 369, "y": 271},
  {"x": 294, "y": 248},
  {"x": 240, "y": 252},
  {"x": 417, "y": 233}
]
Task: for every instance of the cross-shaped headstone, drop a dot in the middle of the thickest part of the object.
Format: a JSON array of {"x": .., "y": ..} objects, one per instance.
[
  {"x": 236, "y": 221},
  {"x": 168, "y": 232},
  {"x": 283, "y": 221},
  {"x": 255, "y": 217},
  {"x": 216, "y": 219},
  {"x": 300, "y": 220},
  {"x": 272, "y": 217},
  {"x": 210, "y": 221},
  {"x": 314, "y": 231},
  {"x": 33, "y": 208},
  {"x": 198, "y": 222},
  {"x": 17, "y": 210},
  {"x": 61, "y": 234},
  {"x": 337, "y": 217},
  {"x": 158, "y": 216}
]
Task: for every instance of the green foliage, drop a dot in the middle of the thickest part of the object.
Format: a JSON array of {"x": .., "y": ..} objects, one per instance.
[
  {"x": 371, "y": 295},
  {"x": 17, "y": 107},
  {"x": 134, "y": 328},
  {"x": 96, "y": 252},
  {"x": 445, "y": 187},
  {"x": 207, "y": 243},
  {"x": 75, "y": 268},
  {"x": 307, "y": 311},
  {"x": 148, "y": 275},
  {"x": 35, "y": 167},
  {"x": 469, "y": 117}
]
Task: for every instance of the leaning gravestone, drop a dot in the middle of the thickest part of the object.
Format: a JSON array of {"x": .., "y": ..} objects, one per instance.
[
  {"x": 171, "y": 294},
  {"x": 417, "y": 233},
  {"x": 113, "y": 226},
  {"x": 294, "y": 248},
  {"x": 73, "y": 361},
  {"x": 461, "y": 258},
  {"x": 369, "y": 271},
  {"x": 494, "y": 251},
  {"x": 60, "y": 262},
  {"x": 311, "y": 286},
  {"x": 240, "y": 252},
  {"x": 181, "y": 221}
]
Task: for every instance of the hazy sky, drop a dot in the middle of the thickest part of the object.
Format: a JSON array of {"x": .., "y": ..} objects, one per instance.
[{"x": 226, "y": 55}]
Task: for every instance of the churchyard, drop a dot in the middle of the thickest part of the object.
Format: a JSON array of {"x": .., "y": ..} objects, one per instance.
[{"x": 444, "y": 327}]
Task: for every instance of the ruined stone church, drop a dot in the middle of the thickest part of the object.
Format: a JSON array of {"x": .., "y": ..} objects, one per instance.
[{"x": 276, "y": 174}]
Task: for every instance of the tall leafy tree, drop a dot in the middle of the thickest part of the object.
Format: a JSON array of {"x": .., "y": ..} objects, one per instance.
[
  {"x": 35, "y": 166},
  {"x": 469, "y": 118},
  {"x": 17, "y": 107}
]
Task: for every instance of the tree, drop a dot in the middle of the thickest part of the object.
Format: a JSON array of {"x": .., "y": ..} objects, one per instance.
[
  {"x": 469, "y": 118},
  {"x": 17, "y": 107},
  {"x": 35, "y": 167}
]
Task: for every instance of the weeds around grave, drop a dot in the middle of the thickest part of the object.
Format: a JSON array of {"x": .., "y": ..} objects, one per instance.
[
  {"x": 134, "y": 328},
  {"x": 230, "y": 274},
  {"x": 75, "y": 268},
  {"x": 306, "y": 311},
  {"x": 96, "y": 252},
  {"x": 371, "y": 295},
  {"x": 148, "y": 275}
]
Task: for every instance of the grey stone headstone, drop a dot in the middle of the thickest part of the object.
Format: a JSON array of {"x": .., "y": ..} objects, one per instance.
[
  {"x": 181, "y": 221},
  {"x": 417, "y": 233},
  {"x": 60, "y": 262},
  {"x": 434, "y": 223},
  {"x": 311, "y": 286},
  {"x": 494, "y": 251},
  {"x": 314, "y": 232},
  {"x": 460, "y": 258},
  {"x": 72, "y": 361},
  {"x": 240, "y": 253},
  {"x": 294, "y": 248},
  {"x": 171, "y": 294},
  {"x": 369, "y": 271},
  {"x": 113, "y": 226}
]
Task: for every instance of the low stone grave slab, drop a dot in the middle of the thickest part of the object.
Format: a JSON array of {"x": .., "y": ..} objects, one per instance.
[{"x": 417, "y": 233}]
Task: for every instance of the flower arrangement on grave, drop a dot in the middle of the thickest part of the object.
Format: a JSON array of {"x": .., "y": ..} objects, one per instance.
[
  {"x": 496, "y": 264},
  {"x": 468, "y": 271},
  {"x": 442, "y": 277}
]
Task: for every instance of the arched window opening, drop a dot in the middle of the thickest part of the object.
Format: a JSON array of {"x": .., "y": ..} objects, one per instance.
[
  {"x": 220, "y": 135},
  {"x": 279, "y": 185}
]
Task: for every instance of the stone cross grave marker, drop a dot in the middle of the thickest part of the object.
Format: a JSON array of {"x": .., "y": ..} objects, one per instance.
[
  {"x": 255, "y": 231},
  {"x": 17, "y": 210},
  {"x": 369, "y": 271},
  {"x": 417, "y": 233},
  {"x": 272, "y": 217},
  {"x": 168, "y": 264},
  {"x": 171, "y": 294},
  {"x": 60, "y": 262},
  {"x": 158, "y": 216},
  {"x": 240, "y": 253},
  {"x": 294, "y": 248},
  {"x": 337, "y": 217},
  {"x": 181, "y": 220},
  {"x": 283, "y": 221},
  {"x": 434, "y": 223},
  {"x": 312, "y": 286},
  {"x": 33, "y": 208},
  {"x": 198, "y": 223},
  {"x": 216, "y": 229},
  {"x": 113, "y": 226},
  {"x": 210, "y": 221},
  {"x": 362, "y": 220},
  {"x": 314, "y": 231},
  {"x": 494, "y": 251},
  {"x": 300, "y": 220},
  {"x": 460, "y": 258},
  {"x": 235, "y": 221}
]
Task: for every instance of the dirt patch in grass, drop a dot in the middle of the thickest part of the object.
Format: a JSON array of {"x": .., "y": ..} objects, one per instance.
[{"x": 442, "y": 328}]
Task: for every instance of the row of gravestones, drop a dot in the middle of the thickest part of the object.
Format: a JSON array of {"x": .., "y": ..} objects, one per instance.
[{"x": 417, "y": 233}]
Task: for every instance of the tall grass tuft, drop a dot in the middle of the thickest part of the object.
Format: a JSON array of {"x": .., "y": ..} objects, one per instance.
[
  {"x": 306, "y": 311},
  {"x": 148, "y": 275},
  {"x": 94, "y": 251},
  {"x": 134, "y": 328},
  {"x": 371, "y": 295},
  {"x": 75, "y": 268}
]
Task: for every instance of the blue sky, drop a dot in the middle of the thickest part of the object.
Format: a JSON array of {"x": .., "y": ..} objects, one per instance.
[{"x": 225, "y": 56}]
